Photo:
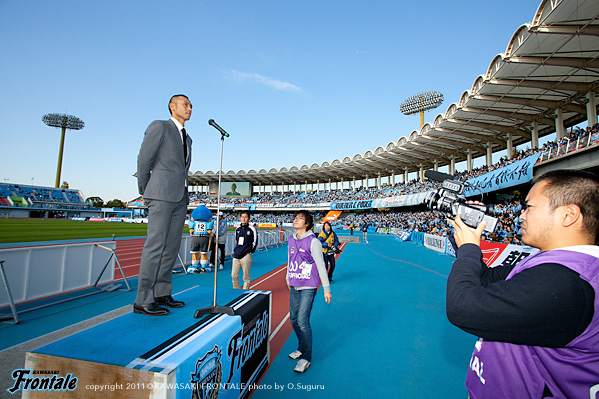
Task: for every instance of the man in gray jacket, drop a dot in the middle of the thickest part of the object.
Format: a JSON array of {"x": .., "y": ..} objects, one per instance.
[{"x": 162, "y": 167}]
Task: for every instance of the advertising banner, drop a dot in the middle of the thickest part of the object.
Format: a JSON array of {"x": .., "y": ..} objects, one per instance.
[
  {"x": 404, "y": 235},
  {"x": 417, "y": 237},
  {"x": 350, "y": 205},
  {"x": 220, "y": 356},
  {"x": 508, "y": 176},
  {"x": 391, "y": 202},
  {"x": 500, "y": 254},
  {"x": 434, "y": 242},
  {"x": 400, "y": 200},
  {"x": 266, "y": 225}
]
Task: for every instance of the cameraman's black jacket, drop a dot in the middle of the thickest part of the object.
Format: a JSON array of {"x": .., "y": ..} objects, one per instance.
[{"x": 547, "y": 305}]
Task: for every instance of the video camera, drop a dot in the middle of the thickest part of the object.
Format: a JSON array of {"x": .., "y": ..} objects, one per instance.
[{"x": 449, "y": 199}]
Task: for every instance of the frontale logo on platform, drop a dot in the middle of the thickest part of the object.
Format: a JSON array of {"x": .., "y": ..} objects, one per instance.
[
  {"x": 28, "y": 380},
  {"x": 208, "y": 375}
]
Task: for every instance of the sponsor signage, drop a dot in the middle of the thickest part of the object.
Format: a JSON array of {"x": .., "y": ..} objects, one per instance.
[
  {"x": 434, "y": 242},
  {"x": 417, "y": 237},
  {"x": 349, "y": 205},
  {"x": 499, "y": 254}
]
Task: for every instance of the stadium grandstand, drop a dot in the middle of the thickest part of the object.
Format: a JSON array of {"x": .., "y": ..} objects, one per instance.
[
  {"x": 274, "y": 207},
  {"x": 543, "y": 87},
  {"x": 23, "y": 201}
]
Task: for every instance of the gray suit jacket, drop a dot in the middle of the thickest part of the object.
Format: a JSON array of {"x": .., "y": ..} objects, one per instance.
[{"x": 161, "y": 167}]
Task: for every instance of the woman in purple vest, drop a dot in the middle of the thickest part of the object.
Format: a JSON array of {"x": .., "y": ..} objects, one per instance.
[{"x": 305, "y": 272}]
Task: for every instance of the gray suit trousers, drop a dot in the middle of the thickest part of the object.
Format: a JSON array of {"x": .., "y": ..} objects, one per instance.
[{"x": 165, "y": 227}]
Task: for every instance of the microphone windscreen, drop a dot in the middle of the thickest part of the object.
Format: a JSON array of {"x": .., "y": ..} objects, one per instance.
[{"x": 437, "y": 176}]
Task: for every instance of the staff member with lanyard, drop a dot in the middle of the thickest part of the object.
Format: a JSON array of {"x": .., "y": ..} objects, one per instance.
[
  {"x": 330, "y": 245},
  {"x": 305, "y": 273}
]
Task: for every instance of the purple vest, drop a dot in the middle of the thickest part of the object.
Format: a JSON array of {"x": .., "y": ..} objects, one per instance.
[
  {"x": 301, "y": 269},
  {"x": 503, "y": 370}
]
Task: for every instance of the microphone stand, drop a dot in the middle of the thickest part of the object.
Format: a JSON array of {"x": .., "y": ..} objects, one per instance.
[{"x": 215, "y": 309}]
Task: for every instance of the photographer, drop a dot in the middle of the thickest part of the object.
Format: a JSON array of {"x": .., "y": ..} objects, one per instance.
[
  {"x": 330, "y": 245},
  {"x": 537, "y": 320}
]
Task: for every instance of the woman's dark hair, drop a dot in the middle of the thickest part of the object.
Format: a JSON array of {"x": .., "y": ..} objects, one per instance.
[{"x": 308, "y": 218}]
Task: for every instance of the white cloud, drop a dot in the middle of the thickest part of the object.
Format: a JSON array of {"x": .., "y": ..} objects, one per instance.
[{"x": 275, "y": 84}]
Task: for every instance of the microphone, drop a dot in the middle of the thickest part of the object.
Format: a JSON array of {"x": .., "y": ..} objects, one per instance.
[
  {"x": 220, "y": 129},
  {"x": 437, "y": 176}
]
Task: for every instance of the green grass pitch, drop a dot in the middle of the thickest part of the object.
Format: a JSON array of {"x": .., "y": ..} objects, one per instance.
[{"x": 27, "y": 230}]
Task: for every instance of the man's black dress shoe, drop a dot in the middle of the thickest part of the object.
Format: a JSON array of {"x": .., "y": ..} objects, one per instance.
[
  {"x": 169, "y": 301},
  {"x": 151, "y": 310}
]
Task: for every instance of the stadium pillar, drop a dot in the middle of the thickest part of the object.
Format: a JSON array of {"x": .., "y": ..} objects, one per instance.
[
  {"x": 510, "y": 146},
  {"x": 559, "y": 124},
  {"x": 405, "y": 176},
  {"x": 393, "y": 177},
  {"x": 435, "y": 165},
  {"x": 591, "y": 109},
  {"x": 469, "y": 160},
  {"x": 421, "y": 173},
  {"x": 489, "y": 154},
  {"x": 535, "y": 135},
  {"x": 452, "y": 165}
]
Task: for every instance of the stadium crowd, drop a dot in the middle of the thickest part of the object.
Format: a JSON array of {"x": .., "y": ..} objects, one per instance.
[
  {"x": 578, "y": 138},
  {"x": 433, "y": 222}
]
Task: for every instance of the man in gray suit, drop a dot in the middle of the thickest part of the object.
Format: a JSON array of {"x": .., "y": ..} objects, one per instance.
[{"x": 162, "y": 166}]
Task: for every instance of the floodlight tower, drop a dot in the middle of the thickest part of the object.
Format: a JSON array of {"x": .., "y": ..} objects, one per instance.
[
  {"x": 421, "y": 102},
  {"x": 65, "y": 122}
]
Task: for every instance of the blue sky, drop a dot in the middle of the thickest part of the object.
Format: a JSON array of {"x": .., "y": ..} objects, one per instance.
[{"x": 293, "y": 82}]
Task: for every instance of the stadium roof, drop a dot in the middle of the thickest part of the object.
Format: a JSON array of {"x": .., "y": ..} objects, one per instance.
[{"x": 548, "y": 68}]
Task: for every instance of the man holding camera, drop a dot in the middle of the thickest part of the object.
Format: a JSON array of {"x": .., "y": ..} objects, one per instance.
[{"x": 537, "y": 321}]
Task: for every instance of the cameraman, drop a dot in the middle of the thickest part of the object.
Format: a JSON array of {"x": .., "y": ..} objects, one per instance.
[
  {"x": 330, "y": 245},
  {"x": 537, "y": 321}
]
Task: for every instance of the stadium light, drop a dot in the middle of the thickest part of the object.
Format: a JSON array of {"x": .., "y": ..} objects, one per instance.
[
  {"x": 421, "y": 102},
  {"x": 64, "y": 122}
]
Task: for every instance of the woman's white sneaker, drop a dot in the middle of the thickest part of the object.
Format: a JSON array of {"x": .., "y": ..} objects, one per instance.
[
  {"x": 301, "y": 366},
  {"x": 295, "y": 355}
]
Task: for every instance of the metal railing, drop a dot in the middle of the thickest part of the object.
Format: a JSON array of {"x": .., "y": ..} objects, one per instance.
[{"x": 568, "y": 145}]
